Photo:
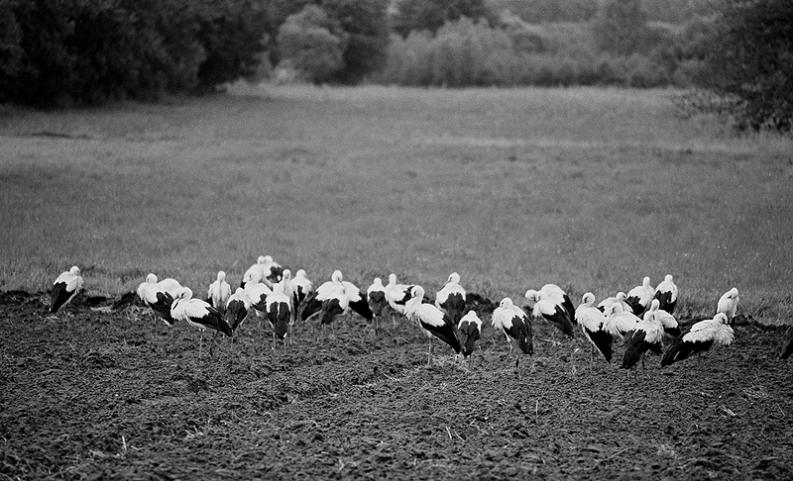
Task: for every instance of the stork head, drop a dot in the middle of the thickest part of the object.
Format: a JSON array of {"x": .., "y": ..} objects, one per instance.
[
  {"x": 184, "y": 293},
  {"x": 392, "y": 278},
  {"x": 221, "y": 276},
  {"x": 506, "y": 303},
  {"x": 261, "y": 260},
  {"x": 532, "y": 295},
  {"x": 722, "y": 318},
  {"x": 454, "y": 277},
  {"x": 287, "y": 274},
  {"x": 300, "y": 273},
  {"x": 616, "y": 308},
  {"x": 151, "y": 278},
  {"x": 654, "y": 305},
  {"x": 732, "y": 293},
  {"x": 669, "y": 278},
  {"x": 417, "y": 292},
  {"x": 75, "y": 270},
  {"x": 621, "y": 296},
  {"x": 268, "y": 260},
  {"x": 239, "y": 291},
  {"x": 336, "y": 276},
  {"x": 588, "y": 299},
  {"x": 646, "y": 281},
  {"x": 377, "y": 282}
]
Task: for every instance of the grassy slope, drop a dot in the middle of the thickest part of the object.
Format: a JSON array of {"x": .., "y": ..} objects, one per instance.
[{"x": 513, "y": 188}]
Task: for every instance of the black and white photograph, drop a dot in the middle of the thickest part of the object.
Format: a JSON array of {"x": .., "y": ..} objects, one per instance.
[{"x": 396, "y": 239}]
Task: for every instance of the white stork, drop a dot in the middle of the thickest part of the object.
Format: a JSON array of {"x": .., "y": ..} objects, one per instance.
[
  {"x": 237, "y": 308},
  {"x": 451, "y": 298},
  {"x": 593, "y": 325},
  {"x": 397, "y": 295},
  {"x": 159, "y": 296},
  {"x": 279, "y": 312},
  {"x": 302, "y": 286},
  {"x": 728, "y": 303},
  {"x": 605, "y": 304},
  {"x": 668, "y": 321},
  {"x": 65, "y": 287},
  {"x": 620, "y": 323},
  {"x": 515, "y": 325},
  {"x": 700, "y": 338},
  {"x": 470, "y": 329},
  {"x": 432, "y": 321},
  {"x": 198, "y": 314},
  {"x": 375, "y": 297},
  {"x": 255, "y": 273},
  {"x": 219, "y": 292},
  {"x": 640, "y": 296},
  {"x": 666, "y": 292},
  {"x": 552, "y": 311},
  {"x": 554, "y": 293},
  {"x": 647, "y": 336}
]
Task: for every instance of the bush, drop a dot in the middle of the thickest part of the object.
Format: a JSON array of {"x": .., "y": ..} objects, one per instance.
[
  {"x": 64, "y": 52},
  {"x": 312, "y": 44}
]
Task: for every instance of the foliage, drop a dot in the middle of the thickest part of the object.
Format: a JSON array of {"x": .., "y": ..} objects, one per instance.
[
  {"x": 620, "y": 27},
  {"x": 63, "y": 52},
  {"x": 365, "y": 24},
  {"x": 312, "y": 43},
  {"x": 416, "y": 15},
  {"x": 750, "y": 58}
]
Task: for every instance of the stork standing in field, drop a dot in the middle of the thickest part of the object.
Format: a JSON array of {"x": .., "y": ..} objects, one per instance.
[
  {"x": 666, "y": 292},
  {"x": 255, "y": 273},
  {"x": 198, "y": 314},
  {"x": 257, "y": 293},
  {"x": 640, "y": 296},
  {"x": 552, "y": 311},
  {"x": 620, "y": 323},
  {"x": 702, "y": 336},
  {"x": 279, "y": 313},
  {"x": 357, "y": 302},
  {"x": 219, "y": 292},
  {"x": 728, "y": 304},
  {"x": 302, "y": 287},
  {"x": 515, "y": 325},
  {"x": 451, "y": 298},
  {"x": 605, "y": 304},
  {"x": 271, "y": 271},
  {"x": 375, "y": 297},
  {"x": 397, "y": 295},
  {"x": 593, "y": 325},
  {"x": 647, "y": 336},
  {"x": 668, "y": 321},
  {"x": 159, "y": 296},
  {"x": 65, "y": 287},
  {"x": 470, "y": 329},
  {"x": 433, "y": 321},
  {"x": 554, "y": 293},
  {"x": 237, "y": 308},
  {"x": 329, "y": 300}
]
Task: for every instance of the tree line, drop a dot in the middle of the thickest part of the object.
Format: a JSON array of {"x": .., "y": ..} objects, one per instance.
[{"x": 83, "y": 52}]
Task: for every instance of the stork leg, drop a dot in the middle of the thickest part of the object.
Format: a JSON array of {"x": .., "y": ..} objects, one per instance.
[
  {"x": 200, "y": 343},
  {"x": 429, "y": 353}
]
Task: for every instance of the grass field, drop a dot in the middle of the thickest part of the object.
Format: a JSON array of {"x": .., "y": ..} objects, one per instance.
[{"x": 590, "y": 189}]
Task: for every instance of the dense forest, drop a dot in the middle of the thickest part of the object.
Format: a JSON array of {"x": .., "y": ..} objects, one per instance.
[{"x": 72, "y": 52}]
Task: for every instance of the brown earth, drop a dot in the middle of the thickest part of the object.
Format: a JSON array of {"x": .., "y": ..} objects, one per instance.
[{"x": 90, "y": 395}]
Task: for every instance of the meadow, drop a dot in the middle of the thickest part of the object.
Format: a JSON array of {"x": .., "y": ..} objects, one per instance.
[{"x": 589, "y": 188}]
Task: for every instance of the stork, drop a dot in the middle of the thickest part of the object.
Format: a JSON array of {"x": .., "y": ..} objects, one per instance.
[
  {"x": 432, "y": 321},
  {"x": 647, "y": 336},
  {"x": 159, "y": 296},
  {"x": 451, "y": 298},
  {"x": 219, "y": 292},
  {"x": 619, "y": 298},
  {"x": 666, "y": 292},
  {"x": 640, "y": 296},
  {"x": 470, "y": 329},
  {"x": 198, "y": 314},
  {"x": 375, "y": 297},
  {"x": 515, "y": 325},
  {"x": 702, "y": 336},
  {"x": 668, "y": 321},
  {"x": 302, "y": 287},
  {"x": 279, "y": 312},
  {"x": 620, "y": 323},
  {"x": 65, "y": 287},
  {"x": 554, "y": 293},
  {"x": 255, "y": 273},
  {"x": 728, "y": 303},
  {"x": 397, "y": 295},
  {"x": 593, "y": 325},
  {"x": 237, "y": 308},
  {"x": 552, "y": 311}
]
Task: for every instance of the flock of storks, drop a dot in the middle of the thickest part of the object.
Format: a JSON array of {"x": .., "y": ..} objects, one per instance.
[{"x": 642, "y": 319}]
